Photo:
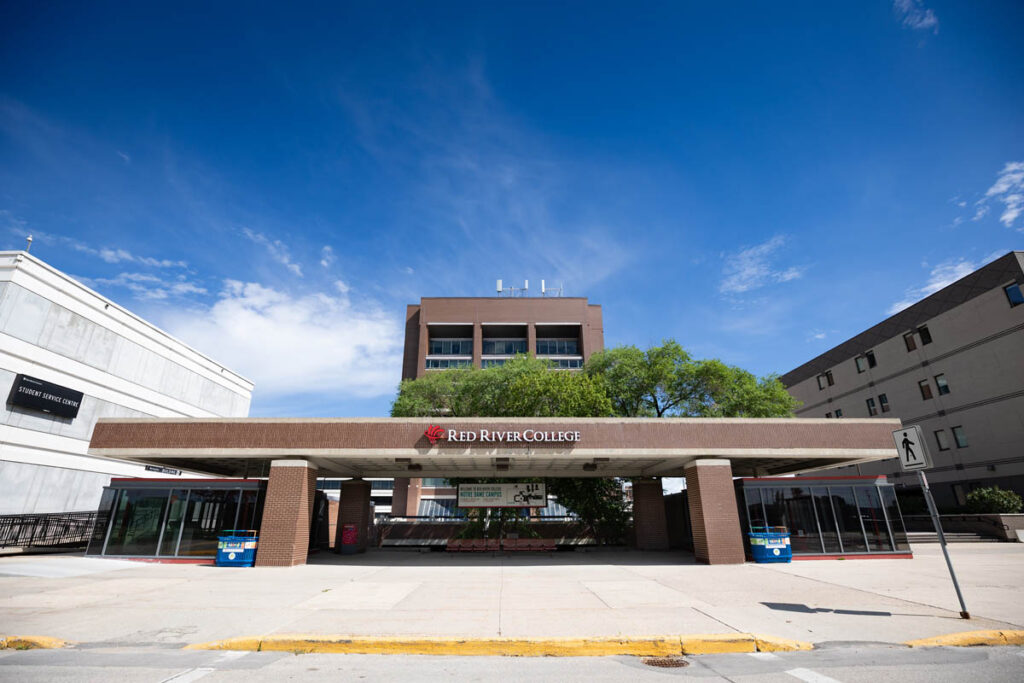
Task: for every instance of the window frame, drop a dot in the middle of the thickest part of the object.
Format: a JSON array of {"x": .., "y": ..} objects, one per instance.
[
  {"x": 839, "y": 412},
  {"x": 909, "y": 342},
  {"x": 924, "y": 386},
  {"x": 861, "y": 363},
  {"x": 958, "y": 437},
  {"x": 925, "y": 334},
  {"x": 872, "y": 362},
  {"x": 872, "y": 408},
  {"x": 940, "y": 439},
  {"x": 943, "y": 385},
  {"x": 1020, "y": 294},
  {"x": 883, "y": 403}
]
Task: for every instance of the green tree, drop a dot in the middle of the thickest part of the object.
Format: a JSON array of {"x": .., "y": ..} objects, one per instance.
[{"x": 665, "y": 381}]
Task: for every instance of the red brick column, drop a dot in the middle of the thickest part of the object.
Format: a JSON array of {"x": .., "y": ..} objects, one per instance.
[
  {"x": 714, "y": 517},
  {"x": 287, "y": 514},
  {"x": 354, "y": 509},
  {"x": 649, "y": 515}
]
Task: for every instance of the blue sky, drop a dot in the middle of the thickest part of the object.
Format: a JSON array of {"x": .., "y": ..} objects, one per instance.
[{"x": 758, "y": 180}]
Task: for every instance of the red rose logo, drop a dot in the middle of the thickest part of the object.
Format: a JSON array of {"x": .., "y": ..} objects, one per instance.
[{"x": 434, "y": 433}]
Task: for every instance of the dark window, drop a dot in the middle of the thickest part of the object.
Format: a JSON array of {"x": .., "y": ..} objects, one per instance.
[
  {"x": 839, "y": 412},
  {"x": 883, "y": 402},
  {"x": 926, "y": 389},
  {"x": 136, "y": 526},
  {"x": 960, "y": 437},
  {"x": 803, "y": 528},
  {"x": 870, "y": 355},
  {"x": 940, "y": 438},
  {"x": 1014, "y": 295},
  {"x": 821, "y": 382},
  {"x": 908, "y": 339},
  {"x": 940, "y": 382},
  {"x": 755, "y": 511},
  {"x": 873, "y": 519},
  {"x": 209, "y": 514},
  {"x": 828, "y": 414},
  {"x": 848, "y": 516},
  {"x": 872, "y": 410},
  {"x": 828, "y": 376},
  {"x": 926, "y": 336},
  {"x": 861, "y": 362},
  {"x": 892, "y": 509},
  {"x": 827, "y": 520}
]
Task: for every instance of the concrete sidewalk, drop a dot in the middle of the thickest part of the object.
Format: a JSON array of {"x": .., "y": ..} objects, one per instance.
[{"x": 564, "y": 595}]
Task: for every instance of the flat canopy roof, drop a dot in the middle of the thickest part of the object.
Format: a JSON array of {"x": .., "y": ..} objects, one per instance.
[{"x": 474, "y": 447}]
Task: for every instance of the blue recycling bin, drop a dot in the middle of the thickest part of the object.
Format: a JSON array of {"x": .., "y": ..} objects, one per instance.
[
  {"x": 770, "y": 544},
  {"x": 237, "y": 548}
]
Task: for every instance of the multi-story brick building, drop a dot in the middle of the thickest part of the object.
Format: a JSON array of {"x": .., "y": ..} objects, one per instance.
[
  {"x": 952, "y": 363},
  {"x": 481, "y": 332}
]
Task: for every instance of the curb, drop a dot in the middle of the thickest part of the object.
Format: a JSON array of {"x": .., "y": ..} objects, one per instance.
[
  {"x": 970, "y": 639},
  {"x": 31, "y": 643},
  {"x": 649, "y": 646}
]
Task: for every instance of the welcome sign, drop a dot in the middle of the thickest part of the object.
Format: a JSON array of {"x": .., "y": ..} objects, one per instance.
[{"x": 509, "y": 495}]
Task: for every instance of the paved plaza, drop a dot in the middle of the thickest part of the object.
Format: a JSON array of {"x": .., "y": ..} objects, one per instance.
[{"x": 583, "y": 594}]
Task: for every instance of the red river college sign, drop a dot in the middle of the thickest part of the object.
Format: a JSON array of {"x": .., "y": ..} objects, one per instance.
[{"x": 434, "y": 433}]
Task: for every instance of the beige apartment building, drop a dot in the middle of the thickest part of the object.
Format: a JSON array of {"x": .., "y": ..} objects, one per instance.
[{"x": 952, "y": 363}]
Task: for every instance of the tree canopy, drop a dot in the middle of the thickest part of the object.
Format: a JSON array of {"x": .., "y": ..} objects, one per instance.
[{"x": 665, "y": 381}]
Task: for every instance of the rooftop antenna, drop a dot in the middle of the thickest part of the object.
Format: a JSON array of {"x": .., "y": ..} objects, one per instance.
[
  {"x": 550, "y": 291},
  {"x": 28, "y": 243}
]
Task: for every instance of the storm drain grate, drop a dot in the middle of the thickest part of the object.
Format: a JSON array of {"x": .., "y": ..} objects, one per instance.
[{"x": 665, "y": 662}]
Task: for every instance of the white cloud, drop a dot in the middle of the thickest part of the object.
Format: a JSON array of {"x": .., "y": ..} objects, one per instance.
[
  {"x": 326, "y": 256},
  {"x": 942, "y": 275},
  {"x": 752, "y": 268},
  {"x": 124, "y": 157},
  {"x": 297, "y": 344},
  {"x": 817, "y": 336},
  {"x": 147, "y": 287},
  {"x": 276, "y": 248},
  {"x": 1008, "y": 189},
  {"x": 914, "y": 15}
]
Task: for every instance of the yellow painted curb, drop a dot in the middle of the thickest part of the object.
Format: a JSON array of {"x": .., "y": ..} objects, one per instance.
[
  {"x": 31, "y": 643},
  {"x": 773, "y": 644},
  {"x": 970, "y": 639},
  {"x": 648, "y": 646}
]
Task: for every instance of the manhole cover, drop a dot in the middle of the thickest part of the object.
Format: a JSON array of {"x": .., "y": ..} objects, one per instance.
[{"x": 665, "y": 662}]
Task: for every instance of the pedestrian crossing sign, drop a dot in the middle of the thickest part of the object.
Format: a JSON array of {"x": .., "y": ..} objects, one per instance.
[{"x": 911, "y": 448}]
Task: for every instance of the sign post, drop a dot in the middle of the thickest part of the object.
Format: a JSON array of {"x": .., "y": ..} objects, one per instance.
[{"x": 914, "y": 457}]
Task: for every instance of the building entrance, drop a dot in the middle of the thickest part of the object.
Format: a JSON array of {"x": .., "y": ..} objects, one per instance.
[{"x": 289, "y": 455}]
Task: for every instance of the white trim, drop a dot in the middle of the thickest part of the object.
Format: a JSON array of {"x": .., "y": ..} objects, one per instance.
[{"x": 293, "y": 463}]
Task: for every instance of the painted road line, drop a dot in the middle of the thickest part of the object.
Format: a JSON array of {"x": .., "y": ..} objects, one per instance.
[
  {"x": 810, "y": 676},
  {"x": 763, "y": 655},
  {"x": 190, "y": 675}
]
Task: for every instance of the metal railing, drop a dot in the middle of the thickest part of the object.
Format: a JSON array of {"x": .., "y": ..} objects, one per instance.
[{"x": 52, "y": 530}]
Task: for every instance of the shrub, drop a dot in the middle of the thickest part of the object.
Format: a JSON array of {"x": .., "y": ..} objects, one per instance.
[{"x": 994, "y": 500}]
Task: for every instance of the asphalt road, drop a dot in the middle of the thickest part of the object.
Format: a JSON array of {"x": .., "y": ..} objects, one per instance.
[{"x": 833, "y": 662}]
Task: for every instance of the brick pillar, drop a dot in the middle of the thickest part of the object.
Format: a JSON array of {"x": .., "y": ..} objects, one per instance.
[
  {"x": 399, "y": 496},
  {"x": 478, "y": 344},
  {"x": 354, "y": 509},
  {"x": 649, "y": 526},
  {"x": 412, "y": 497},
  {"x": 287, "y": 514},
  {"x": 531, "y": 340},
  {"x": 714, "y": 516}
]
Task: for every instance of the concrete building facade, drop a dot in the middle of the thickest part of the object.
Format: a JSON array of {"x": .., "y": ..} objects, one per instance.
[
  {"x": 952, "y": 363},
  {"x": 58, "y": 338}
]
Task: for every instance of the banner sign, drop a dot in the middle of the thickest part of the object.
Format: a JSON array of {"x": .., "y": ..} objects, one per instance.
[
  {"x": 511, "y": 495},
  {"x": 29, "y": 392}
]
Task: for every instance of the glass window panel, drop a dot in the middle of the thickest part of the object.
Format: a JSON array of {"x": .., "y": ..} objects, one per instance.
[
  {"x": 829, "y": 535},
  {"x": 942, "y": 384},
  {"x": 803, "y": 529},
  {"x": 103, "y": 515},
  {"x": 872, "y": 518},
  {"x": 1014, "y": 295},
  {"x": 872, "y": 410},
  {"x": 942, "y": 440},
  {"x": 862, "y": 363},
  {"x": 908, "y": 339},
  {"x": 755, "y": 513},
  {"x": 870, "y": 355},
  {"x": 844, "y": 502},
  {"x": 883, "y": 401},
  {"x": 926, "y": 335},
  {"x": 960, "y": 436},
  {"x": 926, "y": 389},
  {"x": 136, "y": 524},
  {"x": 839, "y": 412},
  {"x": 774, "y": 506},
  {"x": 210, "y": 513},
  {"x": 892, "y": 510},
  {"x": 175, "y": 513},
  {"x": 251, "y": 512}
]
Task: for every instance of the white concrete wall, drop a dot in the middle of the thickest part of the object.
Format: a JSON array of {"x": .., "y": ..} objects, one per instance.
[{"x": 57, "y": 330}]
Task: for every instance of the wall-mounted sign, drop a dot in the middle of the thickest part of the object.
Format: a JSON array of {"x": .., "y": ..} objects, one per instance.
[
  {"x": 29, "y": 392},
  {"x": 162, "y": 470},
  {"x": 510, "y": 495},
  {"x": 436, "y": 433}
]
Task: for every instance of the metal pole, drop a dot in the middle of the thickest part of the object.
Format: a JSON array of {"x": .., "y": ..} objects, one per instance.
[{"x": 964, "y": 614}]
